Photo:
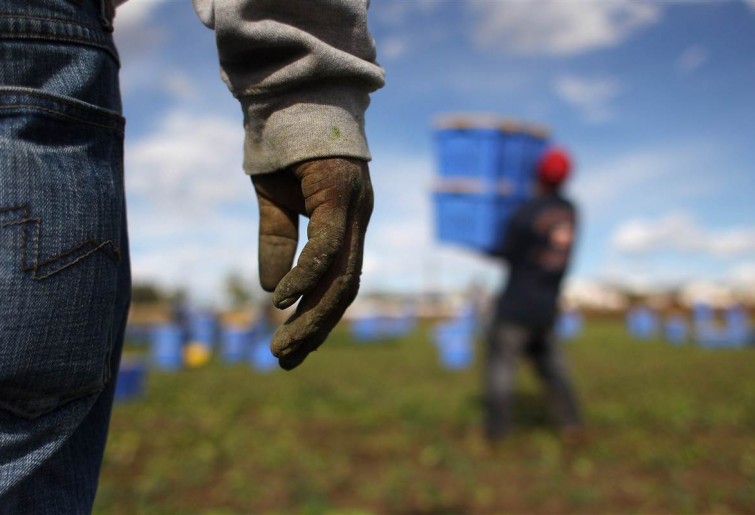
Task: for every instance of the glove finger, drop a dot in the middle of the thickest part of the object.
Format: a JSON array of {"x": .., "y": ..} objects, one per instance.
[
  {"x": 321, "y": 309},
  {"x": 278, "y": 239},
  {"x": 325, "y": 238}
]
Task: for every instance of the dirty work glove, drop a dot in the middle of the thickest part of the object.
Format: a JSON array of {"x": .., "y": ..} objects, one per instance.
[{"x": 336, "y": 195}]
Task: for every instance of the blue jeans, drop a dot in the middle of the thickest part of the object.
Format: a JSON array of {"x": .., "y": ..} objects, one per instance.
[{"x": 64, "y": 262}]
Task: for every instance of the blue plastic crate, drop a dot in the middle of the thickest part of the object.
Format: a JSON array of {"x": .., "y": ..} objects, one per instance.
[
  {"x": 534, "y": 146},
  {"x": 711, "y": 336},
  {"x": 365, "y": 329},
  {"x": 484, "y": 173},
  {"x": 167, "y": 347},
  {"x": 569, "y": 325},
  {"x": 456, "y": 358},
  {"x": 676, "y": 329},
  {"x": 642, "y": 323},
  {"x": 234, "y": 343},
  {"x": 381, "y": 328},
  {"x": 490, "y": 155},
  {"x": 473, "y": 220},
  {"x": 455, "y": 344},
  {"x": 129, "y": 384},
  {"x": 202, "y": 328},
  {"x": 454, "y": 340},
  {"x": 470, "y": 153},
  {"x": 260, "y": 356},
  {"x": 703, "y": 315}
]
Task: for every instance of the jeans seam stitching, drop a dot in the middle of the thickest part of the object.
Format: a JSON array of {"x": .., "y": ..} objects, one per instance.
[
  {"x": 88, "y": 34},
  {"x": 115, "y": 126},
  {"x": 43, "y": 18},
  {"x": 92, "y": 109},
  {"x": 57, "y": 37},
  {"x": 107, "y": 247}
]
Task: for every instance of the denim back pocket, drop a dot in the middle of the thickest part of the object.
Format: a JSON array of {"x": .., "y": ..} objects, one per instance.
[{"x": 61, "y": 210}]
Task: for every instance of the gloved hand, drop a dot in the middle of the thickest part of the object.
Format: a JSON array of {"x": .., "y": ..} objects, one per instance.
[{"x": 336, "y": 194}]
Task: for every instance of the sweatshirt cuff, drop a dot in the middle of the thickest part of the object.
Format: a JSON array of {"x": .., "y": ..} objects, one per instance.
[{"x": 321, "y": 123}]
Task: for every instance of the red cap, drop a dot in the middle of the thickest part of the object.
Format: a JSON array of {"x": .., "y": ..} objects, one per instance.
[{"x": 553, "y": 167}]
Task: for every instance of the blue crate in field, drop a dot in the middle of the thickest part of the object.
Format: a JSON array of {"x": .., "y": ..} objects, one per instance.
[
  {"x": 376, "y": 328},
  {"x": 130, "y": 382},
  {"x": 455, "y": 338},
  {"x": 711, "y": 336},
  {"x": 642, "y": 323},
  {"x": 676, "y": 329},
  {"x": 260, "y": 356},
  {"x": 234, "y": 343},
  {"x": 569, "y": 325},
  {"x": 202, "y": 328},
  {"x": 455, "y": 344},
  {"x": 738, "y": 326},
  {"x": 366, "y": 329},
  {"x": 711, "y": 332},
  {"x": 167, "y": 347}
]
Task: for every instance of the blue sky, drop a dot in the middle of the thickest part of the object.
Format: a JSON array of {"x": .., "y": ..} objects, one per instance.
[{"x": 654, "y": 100}]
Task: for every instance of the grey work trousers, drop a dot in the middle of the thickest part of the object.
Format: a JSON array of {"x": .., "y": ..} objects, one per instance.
[{"x": 506, "y": 342}]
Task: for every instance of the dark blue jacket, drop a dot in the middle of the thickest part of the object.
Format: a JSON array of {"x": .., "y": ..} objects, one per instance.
[{"x": 537, "y": 245}]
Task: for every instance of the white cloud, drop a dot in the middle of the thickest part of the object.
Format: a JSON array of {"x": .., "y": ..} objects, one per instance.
[
  {"x": 692, "y": 59},
  {"x": 392, "y": 48},
  {"x": 599, "y": 185},
  {"x": 397, "y": 23},
  {"x": 743, "y": 273},
  {"x": 180, "y": 86},
  {"x": 682, "y": 232},
  {"x": 396, "y": 12},
  {"x": 559, "y": 27},
  {"x": 192, "y": 211},
  {"x": 133, "y": 32},
  {"x": 751, "y": 3},
  {"x": 189, "y": 163},
  {"x": 642, "y": 177},
  {"x": 591, "y": 96},
  {"x": 640, "y": 236},
  {"x": 140, "y": 42}
]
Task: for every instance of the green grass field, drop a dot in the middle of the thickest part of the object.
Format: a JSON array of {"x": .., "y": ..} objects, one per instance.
[{"x": 382, "y": 428}]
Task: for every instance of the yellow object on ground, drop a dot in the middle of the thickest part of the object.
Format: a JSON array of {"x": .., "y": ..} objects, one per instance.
[{"x": 196, "y": 354}]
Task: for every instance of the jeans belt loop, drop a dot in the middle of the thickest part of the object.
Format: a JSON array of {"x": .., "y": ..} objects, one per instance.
[{"x": 107, "y": 13}]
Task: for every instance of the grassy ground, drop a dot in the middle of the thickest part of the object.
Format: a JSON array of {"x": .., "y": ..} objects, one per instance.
[{"x": 381, "y": 428}]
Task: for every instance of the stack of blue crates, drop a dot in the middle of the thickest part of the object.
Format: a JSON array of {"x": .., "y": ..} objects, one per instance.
[{"x": 485, "y": 170}]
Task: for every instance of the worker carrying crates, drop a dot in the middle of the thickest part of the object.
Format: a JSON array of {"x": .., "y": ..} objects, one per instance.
[{"x": 486, "y": 169}]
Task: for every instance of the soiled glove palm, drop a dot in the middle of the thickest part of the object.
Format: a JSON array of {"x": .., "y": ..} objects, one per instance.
[{"x": 336, "y": 194}]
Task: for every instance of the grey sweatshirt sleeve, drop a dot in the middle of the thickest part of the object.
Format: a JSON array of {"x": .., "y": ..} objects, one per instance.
[{"x": 302, "y": 70}]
